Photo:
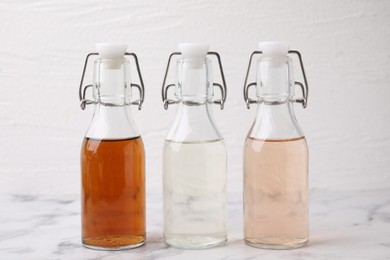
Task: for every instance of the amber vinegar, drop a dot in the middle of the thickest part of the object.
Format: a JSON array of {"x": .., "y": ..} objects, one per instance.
[
  {"x": 113, "y": 194},
  {"x": 112, "y": 154}
]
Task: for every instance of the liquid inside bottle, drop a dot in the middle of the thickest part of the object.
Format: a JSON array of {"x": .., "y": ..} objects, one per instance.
[
  {"x": 194, "y": 194},
  {"x": 276, "y": 198},
  {"x": 113, "y": 196}
]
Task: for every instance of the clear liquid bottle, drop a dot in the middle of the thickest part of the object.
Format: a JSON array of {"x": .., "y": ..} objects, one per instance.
[
  {"x": 275, "y": 155},
  {"x": 194, "y": 156},
  {"x": 112, "y": 156}
]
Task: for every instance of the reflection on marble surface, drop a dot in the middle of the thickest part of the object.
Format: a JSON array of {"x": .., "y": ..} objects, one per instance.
[{"x": 344, "y": 225}]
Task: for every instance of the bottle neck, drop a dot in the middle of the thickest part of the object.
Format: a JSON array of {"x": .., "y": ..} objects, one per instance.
[
  {"x": 112, "y": 84},
  {"x": 275, "y": 81},
  {"x": 193, "y": 123},
  {"x": 194, "y": 81},
  {"x": 112, "y": 122},
  {"x": 276, "y": 122}
]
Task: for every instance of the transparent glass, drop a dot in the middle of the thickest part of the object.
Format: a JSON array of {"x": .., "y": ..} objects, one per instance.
[
  {"x": 275, "y": 164},
  {"x": 195, "y": 161},
  {"x": 112, "y": 165}
]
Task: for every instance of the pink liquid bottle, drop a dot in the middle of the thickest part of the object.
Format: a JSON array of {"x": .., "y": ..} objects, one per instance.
[{"x": 275, "y": 154}]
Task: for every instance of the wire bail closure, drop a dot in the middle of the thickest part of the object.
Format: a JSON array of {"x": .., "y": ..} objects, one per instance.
[
  {"x": 304, "y": 87},
  {"x": 222, "y": 87},
  {"x": 82, "y": 90}
]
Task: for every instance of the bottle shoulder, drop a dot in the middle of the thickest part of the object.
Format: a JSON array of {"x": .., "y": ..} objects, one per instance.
[
  {"x": 112, "y": 123},
  {"x": 273, "y": 122},
  {"x": 193, "y": 125}
]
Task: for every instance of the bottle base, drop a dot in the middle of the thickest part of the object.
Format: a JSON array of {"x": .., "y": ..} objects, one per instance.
[
  {"x": 277, "y": 242},
  {"x": 113, "y": 243},
  {"x": 194, "y": 242}
]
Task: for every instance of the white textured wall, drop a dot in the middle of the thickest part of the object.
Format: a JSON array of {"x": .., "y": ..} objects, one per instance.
[{"x": 345, "y": 46}]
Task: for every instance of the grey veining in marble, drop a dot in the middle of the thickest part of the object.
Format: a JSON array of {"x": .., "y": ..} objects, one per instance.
[{"x": 344, "y": 225}]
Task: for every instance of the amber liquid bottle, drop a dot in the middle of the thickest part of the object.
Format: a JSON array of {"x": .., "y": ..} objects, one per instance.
[
  {"x": 113, "y": 195},
  {"x": 276, "y": 158},
  {"x": 112, "y": 159}
]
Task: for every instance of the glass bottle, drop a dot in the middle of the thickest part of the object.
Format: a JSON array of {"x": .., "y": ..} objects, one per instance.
[
  {"x": 194, "y": 156},
  {"x": 275, "y": 156},
  {"x": 112, "y": 156}
]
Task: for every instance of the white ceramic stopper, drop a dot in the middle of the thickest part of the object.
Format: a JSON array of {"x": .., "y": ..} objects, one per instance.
[
  {"x": 193, "y": 50},
  {"x": 111, "y": 50},
  {"x": 274, "y": 48},
  {"x": 194, "y": 53}
]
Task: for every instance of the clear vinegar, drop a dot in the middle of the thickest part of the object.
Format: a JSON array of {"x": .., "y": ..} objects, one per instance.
[
  {"x": 276, "y": 193},
  {"x": 113, "y": 194},
  {"x": 195, "y": 194}
]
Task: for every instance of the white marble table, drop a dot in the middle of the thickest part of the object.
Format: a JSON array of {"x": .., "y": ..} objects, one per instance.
[{"x": 344, "y": 225}]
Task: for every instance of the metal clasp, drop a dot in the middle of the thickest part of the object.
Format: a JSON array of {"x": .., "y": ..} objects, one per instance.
[
  {"x": 304, "y": 87},
  {"x": 83, "y": 90},
  {"x": 222, "y": 87}
]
